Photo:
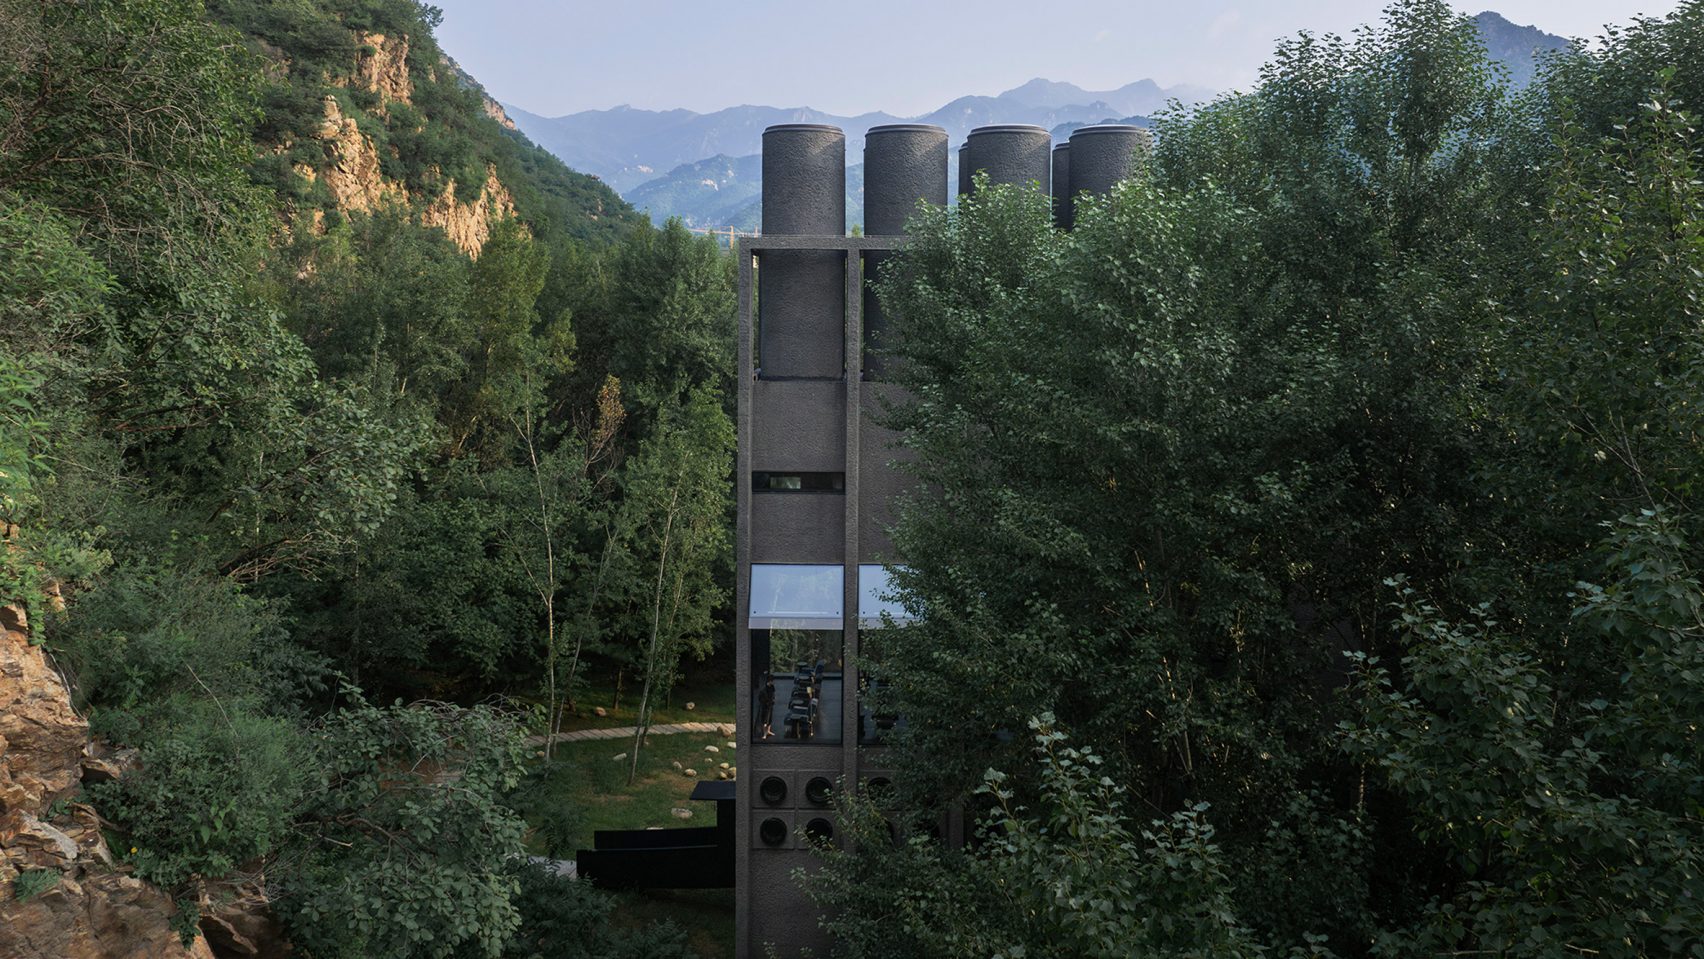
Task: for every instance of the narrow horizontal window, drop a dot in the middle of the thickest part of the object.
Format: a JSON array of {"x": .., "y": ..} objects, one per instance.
[{"x": 766, "y": 482}]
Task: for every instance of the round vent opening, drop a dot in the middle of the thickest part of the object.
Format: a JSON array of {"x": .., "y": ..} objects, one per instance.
[
  {"x": 819, "y": 831},
  {"x": 880, "y": 789},
  {"x": 773, "y": 790},
  {"x": 818, "y": 791},
  {"x": 772, "y": 831}
]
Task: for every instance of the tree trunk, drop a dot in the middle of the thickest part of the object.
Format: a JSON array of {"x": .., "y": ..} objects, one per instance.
[{"x": 643, "y": 720}]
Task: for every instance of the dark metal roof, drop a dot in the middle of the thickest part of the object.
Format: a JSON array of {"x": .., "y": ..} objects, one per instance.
[{"x": 717, "y": 790}]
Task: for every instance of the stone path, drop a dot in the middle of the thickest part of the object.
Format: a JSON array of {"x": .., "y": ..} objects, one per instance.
[{"x": 627, "y": 732}]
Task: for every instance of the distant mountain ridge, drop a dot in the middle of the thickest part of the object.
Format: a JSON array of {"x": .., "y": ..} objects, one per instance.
[
  {"x": 703, "y": 167},
  {"x": 626, "y": 147},
  {"x": 1518, "y": 48}
]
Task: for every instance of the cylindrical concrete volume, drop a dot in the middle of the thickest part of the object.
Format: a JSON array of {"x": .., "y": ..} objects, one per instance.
[
  {"x": 1062, "y": 186},
  {"x": 1104, "y": 154},
  {"x": 964, "y": 170},
  {"x": 903, "y": 163},
  {"x": 801, "y": 296},
  {"x": 1009, "y": 153}
]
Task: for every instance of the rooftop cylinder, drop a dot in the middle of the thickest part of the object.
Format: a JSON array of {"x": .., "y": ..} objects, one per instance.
[
  {"x": 903, "y": 163},
  {"x": 1062, "y": 186},
  {"x": 1104, "y": 154},
  {"x": 1009, "y": 153},
  {"x": 963, "y": 169},
  {"x": 802, "y": 293}
]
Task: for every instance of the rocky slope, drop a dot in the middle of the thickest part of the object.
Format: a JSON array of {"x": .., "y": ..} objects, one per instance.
[
  {"x": 62, "y": 893},
  {"x": 363, "y": 113}
]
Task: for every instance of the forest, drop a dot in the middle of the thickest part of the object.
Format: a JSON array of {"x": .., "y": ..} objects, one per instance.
[
  {"x": 1311, "y": 559},
  {"x": 1306, "y": 557},
  {"x": 306, "y": 500}
]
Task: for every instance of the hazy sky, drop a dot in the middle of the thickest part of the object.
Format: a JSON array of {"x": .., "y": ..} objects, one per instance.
[{"x": 902, "y": 56}]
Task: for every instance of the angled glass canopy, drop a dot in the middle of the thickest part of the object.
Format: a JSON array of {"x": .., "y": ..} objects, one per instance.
[
  {"x": 796, "y": 596},
  {"x": 876, "y": 597}
]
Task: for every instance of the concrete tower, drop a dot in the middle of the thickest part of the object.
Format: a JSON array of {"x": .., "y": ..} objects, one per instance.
[
  {"x": 1015, "y": 153},
  {"x": 815, "y": 484},
  {"x": 1102, "y": 155},
  {"x": 813, "y": 491}
]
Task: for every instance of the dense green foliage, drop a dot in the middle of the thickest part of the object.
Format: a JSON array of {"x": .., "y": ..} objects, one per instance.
[
  {"x": 1332, "y": 483},
  {"x": 279, "y": 471}
]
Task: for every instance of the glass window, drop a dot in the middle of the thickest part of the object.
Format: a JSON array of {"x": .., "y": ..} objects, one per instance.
[
  {"x": 876, "y": 715},
  {"x": 798, "y": 685},
  {"x": 876, "y": 597},
  {"x": 765, "y": 482},
  {"x": 796, "y": 596}
]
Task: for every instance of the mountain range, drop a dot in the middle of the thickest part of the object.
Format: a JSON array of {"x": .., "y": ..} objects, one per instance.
[
  {"x": 704, "y": 167},
  {"x": 625, "y": 146}
]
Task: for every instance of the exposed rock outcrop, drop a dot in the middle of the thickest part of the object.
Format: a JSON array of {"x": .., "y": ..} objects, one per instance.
[
  {"x": 79, "y": 905},
  {"x": 354, "y": 176},
  {"x": 381, "y": 65},
  {"x": 41, "y": 737},
  {"x": 469, "y": 224},
  {"x": 358, "y": 184},
  {"x": 495, "y": 111},
  {"x": 238, "y": 921}
]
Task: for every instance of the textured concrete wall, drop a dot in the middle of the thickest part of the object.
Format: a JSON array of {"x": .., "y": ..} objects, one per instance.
[
  {"x": 1013, "y": 153},
  {"x": 798, "y": 527},
  {"x": 1104, "y": 154},
  {"x": 801, "y": 294},
  {"x": 1062, "y": 186},
  {"x": 798, "y": 426},
  {"x": 903, "y": 163}
]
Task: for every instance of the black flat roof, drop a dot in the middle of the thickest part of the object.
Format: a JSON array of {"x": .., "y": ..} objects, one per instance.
[{"x": 718, "y": 790}]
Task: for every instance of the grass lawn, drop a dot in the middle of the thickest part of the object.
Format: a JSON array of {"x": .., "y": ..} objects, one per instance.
[
  {"x": 711, "y": 693},
  {"x": 585, "y": 777}
]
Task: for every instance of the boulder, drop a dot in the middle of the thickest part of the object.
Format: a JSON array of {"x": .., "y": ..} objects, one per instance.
[{"x": 238, "y": 922}]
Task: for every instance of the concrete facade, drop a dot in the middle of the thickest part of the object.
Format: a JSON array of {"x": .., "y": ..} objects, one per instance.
[{"x": 816, "y": 482}]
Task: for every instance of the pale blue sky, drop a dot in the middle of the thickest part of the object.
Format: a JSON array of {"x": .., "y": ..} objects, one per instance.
[{"x": 902, "y": 56}]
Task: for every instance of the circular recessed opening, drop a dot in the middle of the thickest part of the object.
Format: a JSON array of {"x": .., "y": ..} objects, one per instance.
[
  {"x": 880, "y": 789},
  {"x": 772, "y": 831},
  {"x": 818, "y": 791},
  {"x": 773, "y": 790},
  {"x": 819, "y": 831}
]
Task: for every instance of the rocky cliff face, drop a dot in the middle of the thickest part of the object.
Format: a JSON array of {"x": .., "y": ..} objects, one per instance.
[
  {"x": 354, "y": 173},
  {"x": 381, "y": 65},
  {"x": 62, "y": 896},
  {"x": 356, "y": 180}
]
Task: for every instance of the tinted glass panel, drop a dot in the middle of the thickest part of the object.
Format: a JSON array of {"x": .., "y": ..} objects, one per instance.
[
  {"x": 875, "y": 598},
  {"x": 796, "y": 596}
]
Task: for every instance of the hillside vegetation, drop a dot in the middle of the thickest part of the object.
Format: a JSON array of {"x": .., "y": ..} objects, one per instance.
[{"x": 355, "y": 432}]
